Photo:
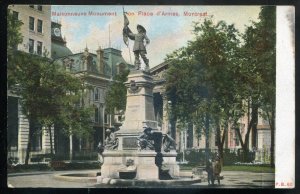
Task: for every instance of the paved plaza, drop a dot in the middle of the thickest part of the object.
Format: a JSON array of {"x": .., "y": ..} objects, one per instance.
[{"x": 232, "y": 179}]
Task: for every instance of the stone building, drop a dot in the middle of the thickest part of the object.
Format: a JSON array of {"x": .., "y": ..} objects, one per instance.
[
  {"x": 98, "y": 70},
  {"x": 36, "y": 32}
]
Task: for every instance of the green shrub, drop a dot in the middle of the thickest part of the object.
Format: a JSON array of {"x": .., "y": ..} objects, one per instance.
[
  {"x": 81, "y": 165},
  {"x": 29, "y": 167},
  {"x": 195, "y": 156},
  {"x": 229, "y": 158}
]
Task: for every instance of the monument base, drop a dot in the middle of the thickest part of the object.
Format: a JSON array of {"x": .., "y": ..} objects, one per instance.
[
  {"x": 143, "y": 162},
  {"x": 128, "y": 161}
]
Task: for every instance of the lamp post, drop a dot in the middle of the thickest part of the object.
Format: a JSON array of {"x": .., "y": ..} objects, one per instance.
[
  {"x": 169, "y": 116},
  {"x": 183, "y": 144}
]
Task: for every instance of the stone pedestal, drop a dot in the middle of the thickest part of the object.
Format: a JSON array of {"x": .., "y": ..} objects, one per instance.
[
  {"x": 169, "y": 160},
  {"x": 144, "y": 163},
  {"x": 139, "y": 109},
  {"x": 139, "y": 106}
]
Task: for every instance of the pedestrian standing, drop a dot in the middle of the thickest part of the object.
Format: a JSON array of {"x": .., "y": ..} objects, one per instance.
[
  {"x": 209, "y": 170},
  {"x": 217, "y": 170}
]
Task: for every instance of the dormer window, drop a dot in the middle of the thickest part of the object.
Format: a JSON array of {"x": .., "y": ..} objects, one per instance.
[
  {"x": 121, "y": 68},
  {"x": 40, "y": 7}
]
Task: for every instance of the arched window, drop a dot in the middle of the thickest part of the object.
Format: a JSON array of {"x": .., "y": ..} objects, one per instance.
[
  {"x": 97, "y": 94},
  {"x": 121, "y": 68}
]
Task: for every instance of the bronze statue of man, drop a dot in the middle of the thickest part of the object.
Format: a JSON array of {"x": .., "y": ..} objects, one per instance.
[{"x": 139, "y": 48}]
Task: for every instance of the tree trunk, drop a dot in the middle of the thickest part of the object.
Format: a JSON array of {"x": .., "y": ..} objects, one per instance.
[
  {"x": 271, "y": 119},
  {"x": 222, "y": 146},
  {"x": 251, "y": 125},
  {"x": 218, "y": 137},
  {"x": 254, "y": 116},
  {"x": 207, "y": 137},
  {"x": 28, "y": 150}
]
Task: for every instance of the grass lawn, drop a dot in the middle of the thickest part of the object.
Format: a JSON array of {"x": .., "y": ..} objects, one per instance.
[
  {"x": 249, "y": 168},
  {"x": 265, "y": 169}
]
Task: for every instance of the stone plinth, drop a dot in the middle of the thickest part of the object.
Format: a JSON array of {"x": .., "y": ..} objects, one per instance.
[
  {"x": 144, "y": 161},
  {"x": 169, "y": 160},
  {"x": 146, "y": 168}
]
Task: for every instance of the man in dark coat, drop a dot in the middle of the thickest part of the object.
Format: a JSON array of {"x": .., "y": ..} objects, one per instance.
[{"x": 209, "y": 170}]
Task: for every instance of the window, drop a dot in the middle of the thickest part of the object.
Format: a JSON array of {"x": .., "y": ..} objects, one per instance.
[
  {"x": 121, "y": 68},
  {"x": 40, "y": 8},
  {"x": 31, "y": 46},
  {"x": 96, "y": 97},
  {"x": 39, "y": 48},
  {"x": 96, "y": 115},
  {"x": 236, "y": 139},
  {"x": 106, "y": 119},
  {"x": 40, "y": 26},
  {"x": 119, "y": 118},
  {"x": 15, "y": 15},
  {"x": 36, "y": 142},
  {"x": 31, "y": 23}
]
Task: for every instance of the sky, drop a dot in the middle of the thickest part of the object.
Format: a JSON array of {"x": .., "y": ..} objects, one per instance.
[{"x": 166, "y": 32}]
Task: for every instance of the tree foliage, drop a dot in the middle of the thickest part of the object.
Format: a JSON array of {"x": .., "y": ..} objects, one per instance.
[
  {"x": 259, "y": 54},
  {"x": 115, "y": 98},
  {"x": 14, "y": 37},
  {"x": 200, "y": 82},
  {"x": 48, "y": 94},
  {"x": 222, "y": 75}
]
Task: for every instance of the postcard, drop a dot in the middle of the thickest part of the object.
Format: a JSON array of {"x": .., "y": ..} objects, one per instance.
[{"x": 150, "y": 96}]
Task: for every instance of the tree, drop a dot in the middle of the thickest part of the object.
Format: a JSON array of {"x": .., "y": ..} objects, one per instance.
[
  {"x": 201, "y": 81},
  {"x": 115, "y": 98},
  {"x": 222, "y": 75},
  {"x": 58, "y": 101},
  {"x": 259, "y": 54},
  {"x": 38, "y": 82}
]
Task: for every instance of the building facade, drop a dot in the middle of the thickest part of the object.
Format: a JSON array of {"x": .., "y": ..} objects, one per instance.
[
  {"x": 36, "y": 32},
  {"x": 98, "y": 71}
]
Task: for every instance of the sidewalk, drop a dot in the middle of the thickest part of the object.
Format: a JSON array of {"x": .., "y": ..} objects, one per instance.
[
  {"x": 232, "y": 179},
  {"x": 45, "y": 179}
]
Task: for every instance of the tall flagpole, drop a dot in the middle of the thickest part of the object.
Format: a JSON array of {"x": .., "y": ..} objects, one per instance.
[
  {"x": 109, "y": 44},
  {"x": 129, "y": 53}
]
